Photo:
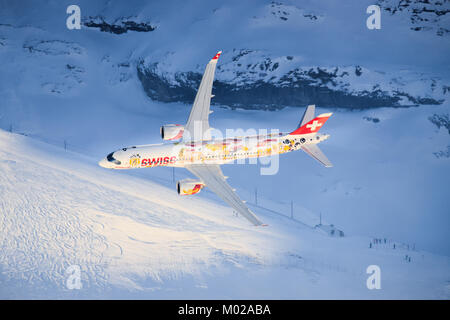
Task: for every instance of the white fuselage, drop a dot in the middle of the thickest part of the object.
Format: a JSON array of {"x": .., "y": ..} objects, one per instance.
[{"x": 180, "y": 154}]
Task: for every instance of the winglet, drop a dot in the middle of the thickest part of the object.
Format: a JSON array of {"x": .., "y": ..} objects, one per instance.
[{"x": 216, "y": 57}]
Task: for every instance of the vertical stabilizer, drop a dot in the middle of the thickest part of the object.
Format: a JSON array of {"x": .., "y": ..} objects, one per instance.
[{"x": 308, "y": 115}]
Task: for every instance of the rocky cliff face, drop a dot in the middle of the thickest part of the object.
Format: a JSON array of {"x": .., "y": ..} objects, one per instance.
[
  {"x": 424, "y": 15},
  {"x": 253, "y": 80},
  {"x": 118, "y": 26}
]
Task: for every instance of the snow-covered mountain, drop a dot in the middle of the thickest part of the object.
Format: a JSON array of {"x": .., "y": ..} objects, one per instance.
[
  {"x": 134, "y": 66},
  {"x": 424, "y": 15},
  {"x": 253, "y": 80}
]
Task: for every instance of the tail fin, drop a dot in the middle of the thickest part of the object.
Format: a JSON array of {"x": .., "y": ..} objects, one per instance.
[
  {"x": 309, "y": 124},
  {"x": 308, "y": 115}
]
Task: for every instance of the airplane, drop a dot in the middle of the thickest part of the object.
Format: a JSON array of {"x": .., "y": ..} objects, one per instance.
[{"x": 192, "y": 147}]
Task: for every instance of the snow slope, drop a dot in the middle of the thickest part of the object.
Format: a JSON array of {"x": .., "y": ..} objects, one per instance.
[{"x": 136, "y": 238}]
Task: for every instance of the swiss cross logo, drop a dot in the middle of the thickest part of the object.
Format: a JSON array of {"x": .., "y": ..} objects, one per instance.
[{"x": 314, "y": 125}]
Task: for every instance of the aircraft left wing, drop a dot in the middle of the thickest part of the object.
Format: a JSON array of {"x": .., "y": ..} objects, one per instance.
[
  {"x": 213, "y": 178},
  {"x": 198, "y": 124}
]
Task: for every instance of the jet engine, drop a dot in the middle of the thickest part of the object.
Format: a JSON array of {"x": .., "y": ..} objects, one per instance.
[
  {"x": 172, "y": 131},
  {"x": 188, "y": 187}
]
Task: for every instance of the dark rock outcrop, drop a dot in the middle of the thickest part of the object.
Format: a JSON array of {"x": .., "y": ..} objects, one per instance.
[
  {"x": 296, "y": 88},
  {"x": 441, "y": 120},
  {"x": 424, "y": 15},
  {"x": 119, "y": 26}
]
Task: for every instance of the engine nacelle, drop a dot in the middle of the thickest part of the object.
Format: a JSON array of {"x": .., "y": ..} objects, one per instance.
[
  {"x": 188, "y": 187},
  {"x": 172, "y": 131}
]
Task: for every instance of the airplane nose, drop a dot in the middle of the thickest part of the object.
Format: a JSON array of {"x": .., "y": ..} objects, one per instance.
[{"x": 104, "y": 163}]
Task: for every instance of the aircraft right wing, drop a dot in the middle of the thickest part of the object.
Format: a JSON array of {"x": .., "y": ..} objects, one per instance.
[
  {"x": 314, "y": 151},
  {"x": 213, "y": 178},
  {"x": 198, "y": 124}
]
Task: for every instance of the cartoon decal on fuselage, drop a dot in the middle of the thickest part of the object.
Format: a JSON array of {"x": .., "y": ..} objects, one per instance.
[{"x": 135, "y": 161}]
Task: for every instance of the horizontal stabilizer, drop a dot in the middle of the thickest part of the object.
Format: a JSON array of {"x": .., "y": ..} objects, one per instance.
[{"x": 314, "y": 151}]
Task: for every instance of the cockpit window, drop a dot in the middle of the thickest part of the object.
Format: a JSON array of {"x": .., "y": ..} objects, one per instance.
[
  {"x": 110, "y": 158},
  {"x": 125, "y": 149}
]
